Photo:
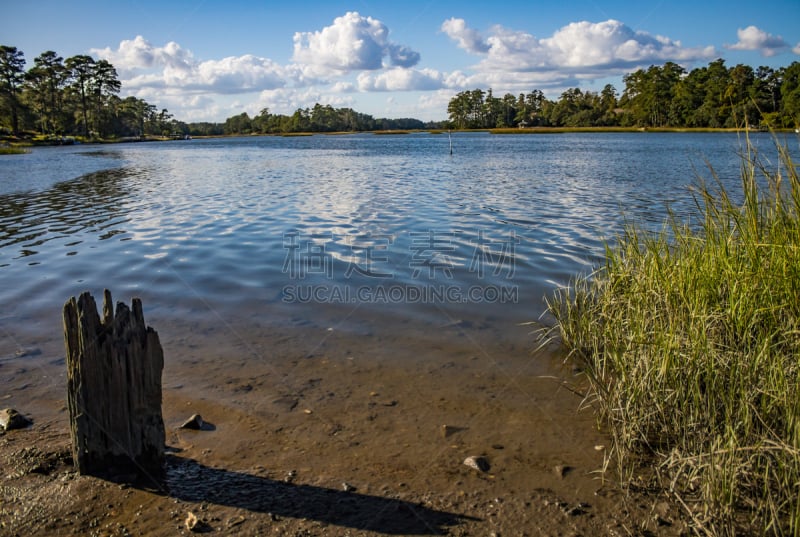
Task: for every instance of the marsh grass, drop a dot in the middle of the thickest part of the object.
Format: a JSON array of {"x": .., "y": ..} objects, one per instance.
[
  {"x": 690, "y": 338},
  {"x": 11, "y": 150}
]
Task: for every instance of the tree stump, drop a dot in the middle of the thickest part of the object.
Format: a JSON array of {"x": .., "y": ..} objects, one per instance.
[{"x": 113, "y": 389}]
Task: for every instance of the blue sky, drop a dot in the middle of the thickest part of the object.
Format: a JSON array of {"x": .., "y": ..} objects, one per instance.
[{"x": 206, "y": 60}]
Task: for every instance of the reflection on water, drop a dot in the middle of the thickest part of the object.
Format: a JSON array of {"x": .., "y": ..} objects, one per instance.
[{"x": 260, "y": 227}]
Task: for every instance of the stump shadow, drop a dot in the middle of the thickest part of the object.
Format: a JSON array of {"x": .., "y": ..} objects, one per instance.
[{"x": 188, "y": 480}]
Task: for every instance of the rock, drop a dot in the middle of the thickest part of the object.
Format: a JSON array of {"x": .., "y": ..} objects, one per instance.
[
  {"x": 193, "y": 523},
  {"x": 448, "y": 430},
  {"x": 561, "y": 470},
  {"x": 195, "y": 422},
  {"x": 236, "y": 521},
  {"x": 478, "y": 463},
  {"x": 11, "y": 419},
  {"x": 576, "y": 510}
]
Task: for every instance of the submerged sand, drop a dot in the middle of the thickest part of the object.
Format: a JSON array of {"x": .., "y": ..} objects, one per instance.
[{"x": 314, "y": 431}]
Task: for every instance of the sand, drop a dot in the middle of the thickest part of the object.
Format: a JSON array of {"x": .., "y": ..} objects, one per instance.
[{"x": 314, "y": 431}]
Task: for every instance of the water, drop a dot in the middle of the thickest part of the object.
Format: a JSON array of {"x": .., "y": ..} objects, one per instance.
[{"x": 361, "y": 233}]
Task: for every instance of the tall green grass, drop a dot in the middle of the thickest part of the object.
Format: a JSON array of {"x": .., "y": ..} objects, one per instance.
[{"x": 690, "y": 338}]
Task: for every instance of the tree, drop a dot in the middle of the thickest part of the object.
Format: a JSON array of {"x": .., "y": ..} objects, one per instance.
[
  {"x": 12, "y": 72},
  {"x": 534, "y": 102},
  {"x": 649, "y": 94},
  {"x": 45, "y": 84},
  {"x": 240, "y": 124},
  {"x": 80, "y": 69},
  {"x": 104, "y": 84},
  {"x": 715, "y": 108},
  {"x": 133, "y": 116},
  {"x": 688, "y": 99},
  {"x": 458, "y": 110},
  {"x": 740, "y": 95},
  {"x": 492, "y": 111},
  {"x": 790, "y": 96}
]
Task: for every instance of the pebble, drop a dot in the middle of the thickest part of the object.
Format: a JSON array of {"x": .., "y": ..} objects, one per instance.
[
  {"x": 195, "y": 422},
  {"x": 236, "y": 521},
  {"x": 561, "y": 470},
  {"x": 447, "y": 430},
  {"x": 23, "y": 352},
  {"x": 192, "y": 523},
  {"x": 478, "y": 463},
  {"x": 11, "y": 419}
]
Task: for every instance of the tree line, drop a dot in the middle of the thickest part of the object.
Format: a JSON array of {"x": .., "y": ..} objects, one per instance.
[
  {"x": 73, "y": 97},
  {"x": 714, "y": 96},
  {"x": 319, "y": 118}
]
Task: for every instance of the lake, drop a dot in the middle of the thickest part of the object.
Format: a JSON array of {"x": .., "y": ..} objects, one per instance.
[{"x": 363, "y": 234}]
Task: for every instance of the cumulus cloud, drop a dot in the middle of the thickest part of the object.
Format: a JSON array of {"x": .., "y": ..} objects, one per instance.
[
  {"x": 580, "y": 49},
  {"x": 400, "y": 79},
  {"x": 138, "y": 53},
  {"x": 351, "y": 43},
  {"x": 753, "y": 38},
  {"x": 143, "y": 65},
  {"x": 467, "y": 38}
]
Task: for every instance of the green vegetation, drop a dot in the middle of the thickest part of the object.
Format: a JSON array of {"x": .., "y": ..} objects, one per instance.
[
  {"x": 12, "y": 150},
  {"x": 72, "y": 97},
  {"x": 319, "y": 118},
  {"x": 690, "y": 339},
  {"x": 561, "y": 130},
  {"x": 661, "y": 96}
]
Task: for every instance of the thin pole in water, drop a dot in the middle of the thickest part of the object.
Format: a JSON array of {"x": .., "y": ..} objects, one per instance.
[{"x": 451, "y": 141}]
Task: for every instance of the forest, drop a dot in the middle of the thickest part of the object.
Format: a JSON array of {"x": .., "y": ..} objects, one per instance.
[
  {"x": 79, "y": 97},
  {"x": 714, "y": 96}
]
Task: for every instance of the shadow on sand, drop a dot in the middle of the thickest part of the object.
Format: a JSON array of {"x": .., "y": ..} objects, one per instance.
[{"x": 191, "y": 481}]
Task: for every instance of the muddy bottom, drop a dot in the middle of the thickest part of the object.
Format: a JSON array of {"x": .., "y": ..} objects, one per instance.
[{"x": 314, "y": 431}]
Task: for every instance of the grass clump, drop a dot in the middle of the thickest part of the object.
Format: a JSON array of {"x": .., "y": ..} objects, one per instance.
[
  {"x": 12, "y": 150},
  {"x": 690, "y": 339}
]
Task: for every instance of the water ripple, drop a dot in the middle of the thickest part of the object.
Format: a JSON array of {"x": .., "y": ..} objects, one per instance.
[{"x": 226, "y": 225}]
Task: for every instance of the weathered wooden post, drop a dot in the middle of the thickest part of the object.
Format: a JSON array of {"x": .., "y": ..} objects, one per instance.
[{"x": 113, "y": 389}]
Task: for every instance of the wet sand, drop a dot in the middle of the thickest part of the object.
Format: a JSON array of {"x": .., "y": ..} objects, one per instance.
[{"x": 315, "y": 431}]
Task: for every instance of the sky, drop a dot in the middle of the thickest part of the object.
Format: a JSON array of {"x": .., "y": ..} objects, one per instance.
[{"x": 207, "y": 60}]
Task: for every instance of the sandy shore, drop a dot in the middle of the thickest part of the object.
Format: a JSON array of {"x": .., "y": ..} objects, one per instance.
[{"x": 330, "y": 434}]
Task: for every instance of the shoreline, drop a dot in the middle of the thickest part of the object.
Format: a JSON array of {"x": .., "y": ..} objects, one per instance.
[
  {"x": 292, "y": 433},
  {"x": 15, "y": 142}
]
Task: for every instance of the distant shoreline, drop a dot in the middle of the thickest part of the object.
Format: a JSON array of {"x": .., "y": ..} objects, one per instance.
[{"x": 16, "y": 142}]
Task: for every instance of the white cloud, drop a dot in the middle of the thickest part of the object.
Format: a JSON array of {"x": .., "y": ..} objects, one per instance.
[
  {"x": 138, "y": 53},
  {"x": 351, "y": 43},
  {"x": 753, "y": 38},
  {"x": 399, "y": 79},
  {"x": 796, "y": 49},
  {"x": 467, "y": 38},
  {"x": 577, "y": 51},
  {"x": 239, "y": 74},
  {"x": 143, "y": 65}
]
